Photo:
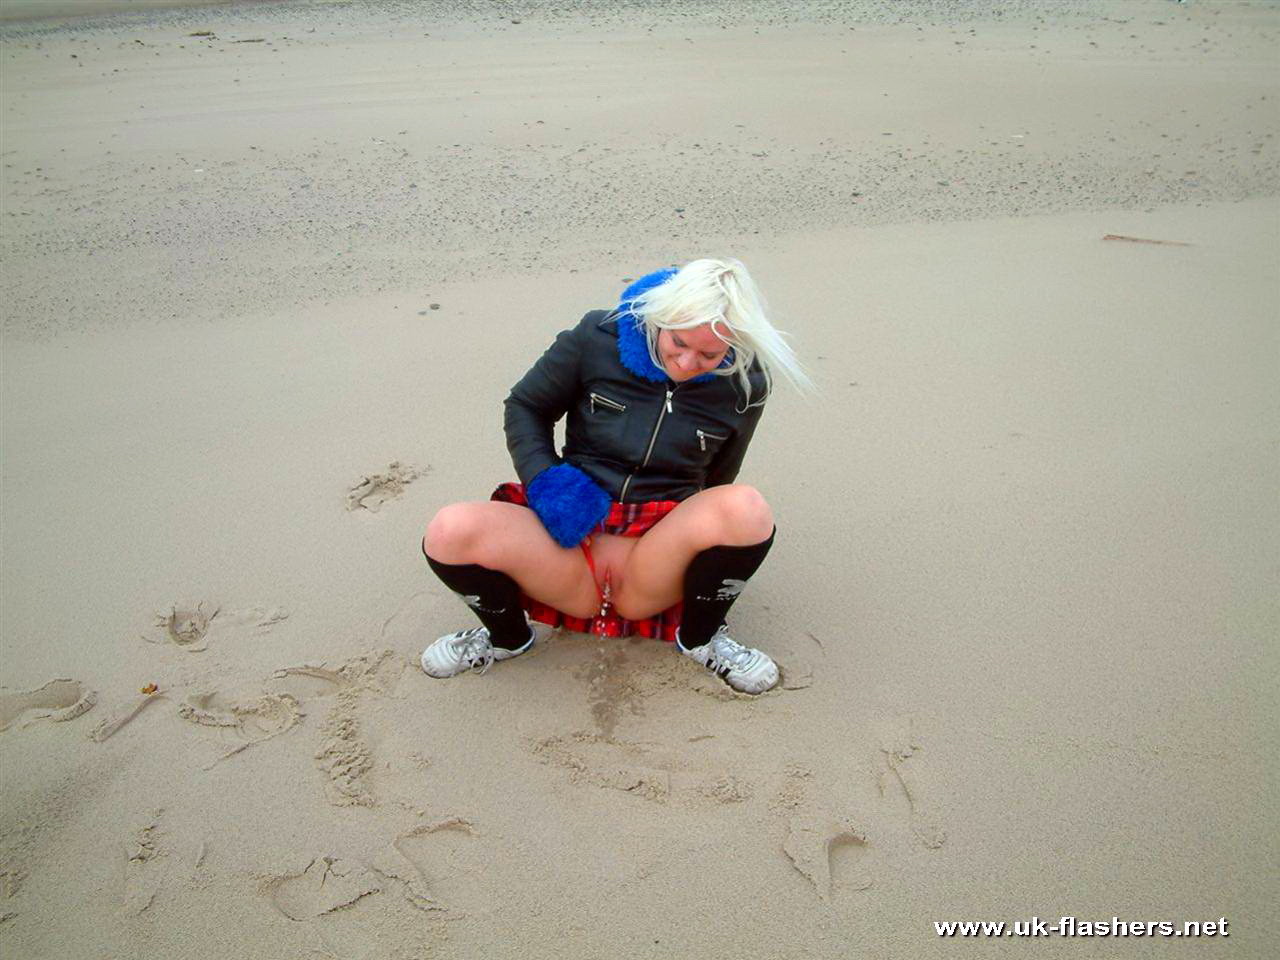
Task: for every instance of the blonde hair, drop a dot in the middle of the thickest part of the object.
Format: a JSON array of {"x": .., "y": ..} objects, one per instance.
[{"x": 721, "y": 293}]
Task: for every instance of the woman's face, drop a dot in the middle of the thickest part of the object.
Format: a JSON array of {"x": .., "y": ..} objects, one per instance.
[{"x": 689, "y": 353}]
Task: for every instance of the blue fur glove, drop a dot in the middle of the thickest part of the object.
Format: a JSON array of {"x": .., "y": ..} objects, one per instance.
[{"x": 568, "y": 502}]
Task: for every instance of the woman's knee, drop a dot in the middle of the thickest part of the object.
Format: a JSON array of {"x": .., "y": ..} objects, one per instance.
[
  {"x": 747, "y": 516},
  {"x": 453, "y": 533}
]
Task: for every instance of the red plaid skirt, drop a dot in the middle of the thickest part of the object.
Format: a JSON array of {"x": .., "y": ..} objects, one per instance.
[{"x": 623, "y": 520}]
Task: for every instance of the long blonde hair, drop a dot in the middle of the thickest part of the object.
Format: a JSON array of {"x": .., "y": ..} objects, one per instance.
[{"x": 721, "y": 293}]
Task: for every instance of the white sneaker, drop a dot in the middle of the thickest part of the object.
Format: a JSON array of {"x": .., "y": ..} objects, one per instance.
[
  {"x": 743, "y": 668},
  {"x": 466, "y": 650}
]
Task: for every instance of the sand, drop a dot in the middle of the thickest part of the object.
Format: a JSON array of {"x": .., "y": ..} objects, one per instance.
[{"x": 263, "y": 292}]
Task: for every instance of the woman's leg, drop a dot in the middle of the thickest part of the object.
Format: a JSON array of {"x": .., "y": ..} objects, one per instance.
[
  {"x": 703, "y": 552},
  {"x": 509, "y": 539},
  {"x": 715, "y": 578},
  {"x": 733, "y": 516}
]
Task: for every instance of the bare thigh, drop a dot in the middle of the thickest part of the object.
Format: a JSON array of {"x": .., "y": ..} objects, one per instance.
[
  {"x": 653, "y": 578},
  {"x": 511, "y": 538}
]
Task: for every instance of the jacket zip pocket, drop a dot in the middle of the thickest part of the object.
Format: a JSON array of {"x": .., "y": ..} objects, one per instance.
[
  {"x": 606, "y": 402},
  {"x": 703, "y": 437}
]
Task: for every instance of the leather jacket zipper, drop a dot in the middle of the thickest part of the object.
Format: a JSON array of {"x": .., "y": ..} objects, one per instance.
[
  {"x": 703, "y": 437},
  {"x": 653, "y": 438},
  {"x": 606, "y": 402}
]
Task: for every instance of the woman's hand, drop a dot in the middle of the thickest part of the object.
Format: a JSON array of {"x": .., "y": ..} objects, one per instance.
[{"x": 568, "y": 502}]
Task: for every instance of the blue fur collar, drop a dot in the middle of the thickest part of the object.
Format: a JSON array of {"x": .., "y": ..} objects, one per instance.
[{"x": 633, "y": 346}]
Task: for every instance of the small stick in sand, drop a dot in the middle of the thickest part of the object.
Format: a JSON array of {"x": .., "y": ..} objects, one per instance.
[
  {"x": 1163, "y": 243},
  {"x": 112, "y": 724}
]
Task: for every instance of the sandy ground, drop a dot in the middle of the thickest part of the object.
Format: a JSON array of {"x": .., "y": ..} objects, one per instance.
[{"x": 1030, "y": 659}]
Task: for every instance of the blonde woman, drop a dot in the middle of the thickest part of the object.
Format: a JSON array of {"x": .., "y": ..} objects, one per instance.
[{"x": 638, "y": 525}]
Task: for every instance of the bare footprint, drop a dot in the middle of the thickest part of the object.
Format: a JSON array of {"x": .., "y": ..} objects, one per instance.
[
  {"x": 187, "y": 626},
  {"x": 373, "y": 491},
  {"x": 326, "y": 885},
  {"x": 58, "y": 701},
  {"x": 828, "y": 853},
  {"x": 307, "y": 682},
  {"x": 142, "y": 879},
  {"x": 242, "y": 724},
  {"x": 450, "y": 865},
  {"x": 897, "y": 746},
  {"x": 377, "y": 671},
  {"x": 191, "y": 626}
]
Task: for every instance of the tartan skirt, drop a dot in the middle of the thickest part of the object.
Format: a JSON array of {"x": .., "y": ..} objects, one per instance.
[{"x": 623, "y": 520}]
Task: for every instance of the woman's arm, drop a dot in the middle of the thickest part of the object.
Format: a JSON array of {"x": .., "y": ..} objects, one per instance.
[
  {"x": 567, "y": 501},
  {"x": 728, "y": 461},
  {"x": 538, "y": 400}
]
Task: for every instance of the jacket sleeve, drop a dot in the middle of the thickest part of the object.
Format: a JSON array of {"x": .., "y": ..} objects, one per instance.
[
  {"x": 728, "y": 460},
  {"x": 538, "y": 400}
]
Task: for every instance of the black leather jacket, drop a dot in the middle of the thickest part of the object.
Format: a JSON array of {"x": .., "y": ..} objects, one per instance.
[{"x": 639, "y": 439}]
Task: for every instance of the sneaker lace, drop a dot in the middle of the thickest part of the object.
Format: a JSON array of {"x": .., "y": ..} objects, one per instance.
[
  {"x": 728, "y": 654},
  {"x": 474, "y": 649}
]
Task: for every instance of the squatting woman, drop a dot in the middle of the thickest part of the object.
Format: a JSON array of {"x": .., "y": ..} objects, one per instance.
[{"x": 638, "y": 525}]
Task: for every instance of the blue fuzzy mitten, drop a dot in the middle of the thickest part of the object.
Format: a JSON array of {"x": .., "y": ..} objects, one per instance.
[{"x": 568, "y": 502}]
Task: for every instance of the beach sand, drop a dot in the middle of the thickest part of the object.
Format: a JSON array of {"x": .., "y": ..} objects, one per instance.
[{"x": 264, "y": 291}]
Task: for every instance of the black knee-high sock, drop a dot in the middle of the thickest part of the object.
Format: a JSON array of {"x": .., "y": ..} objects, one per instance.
[
  {"x": 492, "y": 596},
  {"x": 713, "y": 581}
]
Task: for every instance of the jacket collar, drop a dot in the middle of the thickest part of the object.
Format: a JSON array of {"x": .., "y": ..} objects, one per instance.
[{"x": 633, "y": 345}]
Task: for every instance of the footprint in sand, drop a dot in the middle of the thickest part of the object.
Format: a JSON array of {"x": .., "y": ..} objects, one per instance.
[
  {"x": 897, "y": 746},
  {"x": 149, "y": 866},
  {"x": 373, "y": 491},
  {"x": 300, "y": 683},
  {"x": 325, "y": 885},
  {"x": 829, "y": 853},
  {"x": 307, "y": 682},
  {"x": 377, "y": 671},
  {"x": 142, "y": 878},
  {"x": 333, "y": 886},
  {"x": 187, "y": 626},
  {"x": 450, "y": 865},
  {"x": 241, "y": 724},
  {"x": 191, "y": 626},
  {"x": 58, "y": 701}
]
